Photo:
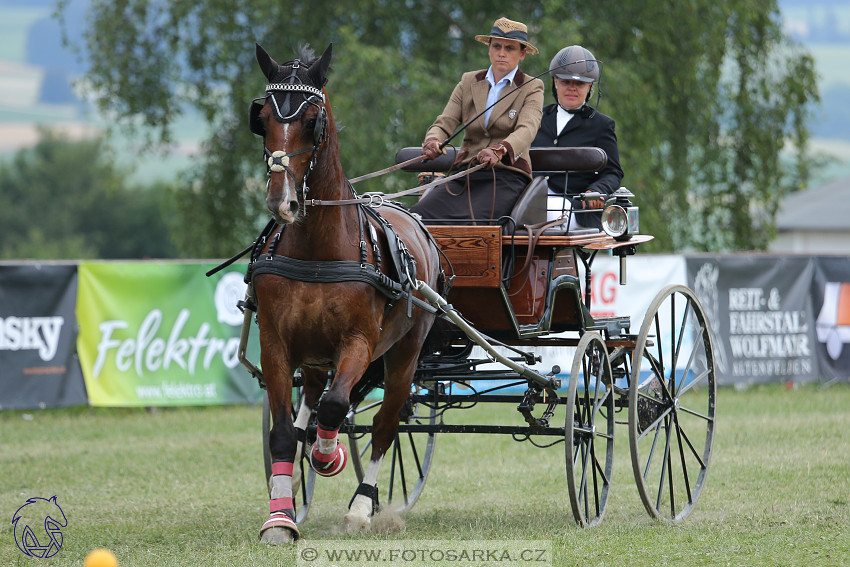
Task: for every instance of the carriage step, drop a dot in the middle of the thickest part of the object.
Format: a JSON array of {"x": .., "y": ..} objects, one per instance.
[{"x": 615, "y": 326}]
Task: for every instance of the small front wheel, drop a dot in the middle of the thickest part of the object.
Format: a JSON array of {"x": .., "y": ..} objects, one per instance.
[{"x": 589, "y": 431}]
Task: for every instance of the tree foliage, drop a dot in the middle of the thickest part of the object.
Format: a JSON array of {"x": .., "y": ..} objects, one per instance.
[
  {"x": 64, "y": 201},
  {"x": 711, "y": 99}
]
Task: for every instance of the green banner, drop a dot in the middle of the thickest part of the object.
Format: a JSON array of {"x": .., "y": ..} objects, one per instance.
[{"x": 162, "y": 334}]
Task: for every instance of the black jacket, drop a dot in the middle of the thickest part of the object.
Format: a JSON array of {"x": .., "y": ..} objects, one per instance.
[{"x": 591, "y": 128}]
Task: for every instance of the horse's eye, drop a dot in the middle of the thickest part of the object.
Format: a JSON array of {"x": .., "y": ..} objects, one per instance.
[{"x": 311, "y": 124}]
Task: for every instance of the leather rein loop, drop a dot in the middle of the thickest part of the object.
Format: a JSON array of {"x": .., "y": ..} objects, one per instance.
[{"x": 377, "y": 199}]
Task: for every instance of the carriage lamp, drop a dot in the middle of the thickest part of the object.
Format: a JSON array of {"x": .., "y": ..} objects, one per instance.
[{"x": 620, "y": 217}]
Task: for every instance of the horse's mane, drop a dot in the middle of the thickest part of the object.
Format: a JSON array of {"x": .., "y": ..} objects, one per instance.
[{"x": 308, "y": 55}]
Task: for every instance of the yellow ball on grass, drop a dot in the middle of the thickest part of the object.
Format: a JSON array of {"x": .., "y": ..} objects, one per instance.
[{"x": 101, "y": 558}]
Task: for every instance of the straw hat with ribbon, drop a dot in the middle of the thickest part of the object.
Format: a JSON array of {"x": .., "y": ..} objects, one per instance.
[{"x": 504, "y": 28}]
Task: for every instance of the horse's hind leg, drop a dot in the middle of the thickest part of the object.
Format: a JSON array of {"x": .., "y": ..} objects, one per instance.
[{"x": 400, "y": 365}]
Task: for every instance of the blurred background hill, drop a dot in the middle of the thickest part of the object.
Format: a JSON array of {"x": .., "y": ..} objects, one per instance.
[
  {"x": 37, "y": 71},
  {"x": 37, "y": 87}
]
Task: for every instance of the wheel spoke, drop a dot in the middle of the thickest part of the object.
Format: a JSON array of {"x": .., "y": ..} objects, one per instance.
[
  {"x": 665, "y": 466},
  {"x": 679, "y": 434},
  {"x": 409, "y": 459},
  {"x": 681, "y": 431},
  {"x": 654, "y": 425},
  {"x": 589, "y": 430}
]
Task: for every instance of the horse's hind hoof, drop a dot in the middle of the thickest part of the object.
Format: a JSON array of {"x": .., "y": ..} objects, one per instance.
[
  {"x": 278, "y": 536},
  {"x": 356, "y": 523}
]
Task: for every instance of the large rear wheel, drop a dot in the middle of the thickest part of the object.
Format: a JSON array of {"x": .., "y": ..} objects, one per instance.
[
  {"x": 672, "y": 404},
  {"x": 589, "y": 431}
]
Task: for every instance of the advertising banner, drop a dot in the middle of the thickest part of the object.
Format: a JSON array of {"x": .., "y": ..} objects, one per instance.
[
  {"x": 760, "y": 312},
  {"x": 646, "y": 275},
  {"x": 38, "y": 364},
  {"x": 162, "y": 334},
  {"x": 831, "y": 304}
]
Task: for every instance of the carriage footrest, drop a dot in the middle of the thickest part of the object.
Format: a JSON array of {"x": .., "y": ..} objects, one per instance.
[{"x": 615, "y": 326}]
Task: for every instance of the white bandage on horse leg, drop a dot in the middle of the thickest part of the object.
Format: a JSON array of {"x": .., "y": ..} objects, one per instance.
[
  {"x": 326, "y": 440},
  {"x": 362, "y": 504}
]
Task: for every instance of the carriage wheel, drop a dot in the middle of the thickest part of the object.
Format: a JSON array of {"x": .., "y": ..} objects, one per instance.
[
  {"x": 405, "y": 467},
  {"x": 672, "y": 402},
  {"x": 589, "y": 431},
  {"x": 308, "y": 475}
]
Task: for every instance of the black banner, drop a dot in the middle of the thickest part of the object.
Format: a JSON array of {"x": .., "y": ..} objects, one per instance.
[
  {"x": 38, "y": 332},
  {"x": 760, "y": 312},
  {"x": 831, "y": 306}
]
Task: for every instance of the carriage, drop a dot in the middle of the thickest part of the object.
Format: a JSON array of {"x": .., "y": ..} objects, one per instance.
[
  {"x": 516, "y": 307},
  {"x": 514, "y": 290}
]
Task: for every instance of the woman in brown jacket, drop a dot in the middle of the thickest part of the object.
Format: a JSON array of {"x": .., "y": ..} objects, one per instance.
[{"x": 499, "y": 138}]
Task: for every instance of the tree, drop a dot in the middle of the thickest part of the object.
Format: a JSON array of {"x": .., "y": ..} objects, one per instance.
[
  {"x": 711, "y": 99},
  {"x": 63, "y": 200}
]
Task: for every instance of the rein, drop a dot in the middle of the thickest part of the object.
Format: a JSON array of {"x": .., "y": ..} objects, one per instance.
[
  {"x": 390, "y": 169},
  {"x": 377, "y": 199}
]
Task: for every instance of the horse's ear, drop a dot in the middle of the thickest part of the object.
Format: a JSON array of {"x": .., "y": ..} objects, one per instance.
[
  {"x": 268, "y": 65},
  {"x": 319, "y": 71}
]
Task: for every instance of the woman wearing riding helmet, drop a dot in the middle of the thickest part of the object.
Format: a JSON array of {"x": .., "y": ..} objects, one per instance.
[{"x": 571, "y": 122}]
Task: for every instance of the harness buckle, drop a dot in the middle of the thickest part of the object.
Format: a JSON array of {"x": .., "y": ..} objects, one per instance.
[{"x": 376, "y": 199}]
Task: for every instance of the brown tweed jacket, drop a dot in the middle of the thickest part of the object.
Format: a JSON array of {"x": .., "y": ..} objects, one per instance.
[{"x": 513, "y": 122}]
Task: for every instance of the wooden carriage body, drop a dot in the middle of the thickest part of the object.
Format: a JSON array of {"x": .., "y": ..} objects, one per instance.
[{"x": 507, "y": 291}]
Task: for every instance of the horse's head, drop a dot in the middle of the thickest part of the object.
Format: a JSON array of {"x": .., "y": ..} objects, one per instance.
[{"x": 293, "y": 120}]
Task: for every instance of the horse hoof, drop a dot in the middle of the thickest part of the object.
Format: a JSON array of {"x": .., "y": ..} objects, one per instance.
[
  {"x": 279, "y": 529},
  {"x": 278, "y": 536},
  {"x": 332, "y": 467},
  {"x": 355, "y": 523}
]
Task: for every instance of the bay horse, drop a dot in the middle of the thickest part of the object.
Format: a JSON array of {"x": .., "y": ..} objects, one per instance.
[{"x": 333, "y": 290}]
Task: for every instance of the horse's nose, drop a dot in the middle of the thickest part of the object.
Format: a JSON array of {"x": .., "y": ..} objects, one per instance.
[{"x": 293, "y": 206}]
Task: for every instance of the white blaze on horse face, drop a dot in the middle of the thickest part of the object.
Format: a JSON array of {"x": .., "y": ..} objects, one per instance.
[{"x": 285, "y": 208}]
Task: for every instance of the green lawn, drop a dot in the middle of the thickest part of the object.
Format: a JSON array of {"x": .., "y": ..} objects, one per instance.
[{"x": 184, "y": 487}]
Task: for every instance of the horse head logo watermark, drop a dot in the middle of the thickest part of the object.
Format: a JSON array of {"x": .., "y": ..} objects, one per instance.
[{"x": 38, "y": 527}]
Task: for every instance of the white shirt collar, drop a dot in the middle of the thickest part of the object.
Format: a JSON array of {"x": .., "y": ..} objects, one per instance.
[
  {"x": 509, "y": 77},
  {"x": 562, "y": 118}
]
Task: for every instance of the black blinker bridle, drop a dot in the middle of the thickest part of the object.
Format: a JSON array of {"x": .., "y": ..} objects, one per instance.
[{"x": 278, "y": 160}]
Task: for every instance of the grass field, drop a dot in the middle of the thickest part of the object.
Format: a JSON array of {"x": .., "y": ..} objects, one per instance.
[{"x": 184, "y": 487}]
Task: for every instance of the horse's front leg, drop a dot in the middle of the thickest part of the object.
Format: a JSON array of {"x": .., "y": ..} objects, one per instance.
[
  {"x": 280, "y": 528},
  {"x": 328, "y": 456},
  {"x": 314, "y": 384}
]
